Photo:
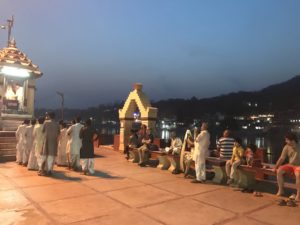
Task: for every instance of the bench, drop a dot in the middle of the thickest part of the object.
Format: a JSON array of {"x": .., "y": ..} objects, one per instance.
[
  {"x": 163, "y": 161},
  {"x": 249, "y": 175},
  {"x": 218, "y": 168}
]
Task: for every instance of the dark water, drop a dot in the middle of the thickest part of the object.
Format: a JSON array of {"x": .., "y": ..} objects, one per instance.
[{"x": 272, "y": 142}]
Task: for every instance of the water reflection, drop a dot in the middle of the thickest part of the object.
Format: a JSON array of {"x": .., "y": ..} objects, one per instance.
[{"x": 272, "y": 144}]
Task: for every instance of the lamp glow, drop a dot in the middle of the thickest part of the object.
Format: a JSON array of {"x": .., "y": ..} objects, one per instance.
[{"x": 15, "y": 72}]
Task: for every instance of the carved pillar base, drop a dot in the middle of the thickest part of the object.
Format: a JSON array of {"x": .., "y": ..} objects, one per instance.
[
  {"x": 220, "y": 175},
  {"x": 164, "y": 162}
]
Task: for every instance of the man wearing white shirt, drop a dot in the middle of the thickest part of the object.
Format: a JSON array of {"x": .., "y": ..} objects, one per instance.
[
  {"x": 20, "y": 135},
  {"x": 202, "y": 142},
  {"x": 75, "y": 144}
]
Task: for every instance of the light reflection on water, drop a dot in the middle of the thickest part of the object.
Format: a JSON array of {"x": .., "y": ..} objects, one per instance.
[{"x": 271, "y": 144}]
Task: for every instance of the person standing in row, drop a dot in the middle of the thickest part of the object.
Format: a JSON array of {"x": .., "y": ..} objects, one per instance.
[
  {"x": 75, "y": 144},
  {"x": 62, "y": 146},
  {"x": 28, "y": 142},
  {"x": 39, "y": 139},
  {"x": 87, "y": 134},
  {"x": 51, "y": 131},
  {"x": 20, "y": 136},
  {"x": 32, "y": 161},
  {"x": 68, "y": 147}
]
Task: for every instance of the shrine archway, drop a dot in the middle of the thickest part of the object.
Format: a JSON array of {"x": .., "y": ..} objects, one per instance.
[{"x": 137, "y": 100}]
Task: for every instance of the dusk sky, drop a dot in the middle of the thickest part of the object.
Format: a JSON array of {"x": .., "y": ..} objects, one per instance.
[{"x": 94, "y": 50}]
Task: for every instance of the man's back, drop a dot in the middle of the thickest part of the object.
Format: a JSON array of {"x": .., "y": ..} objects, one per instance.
[
  {"x": 76, "y": 131},
  {"x": 51, "y": 129},
  {"x": 225, "y": 144}
]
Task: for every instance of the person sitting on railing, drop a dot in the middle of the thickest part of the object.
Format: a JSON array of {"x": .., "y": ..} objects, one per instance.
[
  {"x": 174, "y": 149},
  {"x": 225, "y": 145},
  {"x": 133, "y": 143},
  {"x": 175, "y": 146},
  {"x": 249, "y": 154},
  {"x": 147, "y": 142},
  {"x": 291, "y": 151},
  {"x": 235, "y": 161}
]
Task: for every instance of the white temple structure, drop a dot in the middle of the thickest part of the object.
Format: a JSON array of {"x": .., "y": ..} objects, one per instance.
[{"x": 17, "y": 86}]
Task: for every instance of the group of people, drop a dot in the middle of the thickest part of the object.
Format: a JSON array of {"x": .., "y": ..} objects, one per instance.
[
  {"x": 42, "y": 143},
  {"x": 231, "y": 149}
]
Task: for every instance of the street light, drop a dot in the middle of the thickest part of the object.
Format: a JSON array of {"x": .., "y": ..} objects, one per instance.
[{"x": 62, "y": 103}]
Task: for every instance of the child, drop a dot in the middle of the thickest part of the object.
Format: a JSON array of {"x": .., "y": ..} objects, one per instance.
[
  {"x": 235, "y": 161},
  {"x": 250, "y": 150}
]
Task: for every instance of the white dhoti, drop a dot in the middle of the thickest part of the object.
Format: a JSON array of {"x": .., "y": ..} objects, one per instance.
[
  {"x": 46, "y": 162},
  {"x": 200, "y": 167},
  {"x": 74, "y": 161},
  {"x": 88, "y": 165},
  {"x": 32, "y": 162},
  {"x": 26, "y": 153},
  {"x": 19, "y": 154}
]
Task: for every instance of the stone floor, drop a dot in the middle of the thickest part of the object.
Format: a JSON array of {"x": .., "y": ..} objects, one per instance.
[{"x": 123, "y": 193}]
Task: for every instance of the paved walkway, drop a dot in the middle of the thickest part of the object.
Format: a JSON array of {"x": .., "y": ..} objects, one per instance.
[{"x": 122, "y": 193}]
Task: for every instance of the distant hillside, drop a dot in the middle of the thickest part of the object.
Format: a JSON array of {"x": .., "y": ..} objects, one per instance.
[
  {"x": 282, "y": 97},
  {"x": 275, "y": 98}
]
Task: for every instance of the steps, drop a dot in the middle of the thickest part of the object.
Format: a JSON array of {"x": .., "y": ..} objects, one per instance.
[
  {"x": 10, "y": 125},
  {"x": 8, "y": 144}
]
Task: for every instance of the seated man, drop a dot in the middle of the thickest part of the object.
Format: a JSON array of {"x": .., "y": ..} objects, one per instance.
[
  {"x": 176, "y": 145},
  {"x": 174, "y": 149},
  {"x": 133, "y": 143},
  {"x": 291, "y": 151},
  {"x": 225, "y": 145},
  {"x": 147, "y": 142}
]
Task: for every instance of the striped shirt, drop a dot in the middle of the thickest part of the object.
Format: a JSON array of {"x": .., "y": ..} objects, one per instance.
[{"x": 225, "y": 144}]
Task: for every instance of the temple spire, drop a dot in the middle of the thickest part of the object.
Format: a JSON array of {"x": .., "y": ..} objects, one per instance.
[{"x": 9, "y": 26}]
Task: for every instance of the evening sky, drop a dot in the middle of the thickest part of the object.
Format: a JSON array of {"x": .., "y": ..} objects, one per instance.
[{"x": 94, "y": 50}]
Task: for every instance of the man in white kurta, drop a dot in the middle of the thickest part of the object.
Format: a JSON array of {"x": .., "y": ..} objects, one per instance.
[
  {"x": 61, "y": 159},
  {"x": 75, "y": 144},
  {"x": 201, "y": 142},
  {"x": 39, "y": 139},
  {"x": 20, "y": 135},
  {"x": 28, "y": 142}
]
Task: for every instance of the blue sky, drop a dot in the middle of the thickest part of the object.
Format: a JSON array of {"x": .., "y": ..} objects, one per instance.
[{"x": 94, "y": 50}]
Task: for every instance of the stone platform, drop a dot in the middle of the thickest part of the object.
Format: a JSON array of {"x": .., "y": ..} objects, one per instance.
[{"x": 123, "y": 193}]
